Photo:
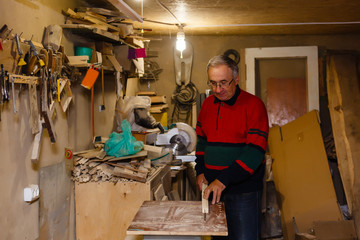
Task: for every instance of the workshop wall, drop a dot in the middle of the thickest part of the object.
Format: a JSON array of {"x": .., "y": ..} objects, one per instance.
[
  {"x": 51, "y": 217},
  {"x": 206, "y": 47},
  {"x": 20, "y": 220}
]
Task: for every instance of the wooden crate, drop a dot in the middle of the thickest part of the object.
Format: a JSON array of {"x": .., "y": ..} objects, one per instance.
[{"x": 104, "y": 210}]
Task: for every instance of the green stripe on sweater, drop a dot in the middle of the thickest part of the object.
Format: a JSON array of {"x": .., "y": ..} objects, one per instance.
[{"x": 225, "y": 156}]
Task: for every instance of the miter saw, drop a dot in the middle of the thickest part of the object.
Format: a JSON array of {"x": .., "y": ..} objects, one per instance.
[{"x": 181, "y": 138}]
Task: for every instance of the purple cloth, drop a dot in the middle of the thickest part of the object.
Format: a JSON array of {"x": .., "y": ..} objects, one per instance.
[
  {"x": 136, "y": 53},
  {"x": 132, "y": 53}
]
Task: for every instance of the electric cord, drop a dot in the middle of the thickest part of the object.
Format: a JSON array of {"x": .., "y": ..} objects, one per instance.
[
  {"x": 168, "y": 10},
  {"x": 184, "y": 97},
  {"x": 185, "y": 94}
]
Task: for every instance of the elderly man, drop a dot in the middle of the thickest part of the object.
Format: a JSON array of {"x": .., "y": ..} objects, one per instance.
[{"x": 232, "y": 131}]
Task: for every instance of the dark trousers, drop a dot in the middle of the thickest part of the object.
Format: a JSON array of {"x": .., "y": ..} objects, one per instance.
[{"x": 243, "y": 216}]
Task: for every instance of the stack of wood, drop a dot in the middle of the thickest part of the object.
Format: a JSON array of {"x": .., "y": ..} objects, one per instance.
[
  {"x": 94, "y": 166},
  {"x": 158, "y": 102},
  {"x": 99, "y": 19}
]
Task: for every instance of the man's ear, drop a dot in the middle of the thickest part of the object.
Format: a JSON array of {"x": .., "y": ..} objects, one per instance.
[{"x": 237, "y": 79}]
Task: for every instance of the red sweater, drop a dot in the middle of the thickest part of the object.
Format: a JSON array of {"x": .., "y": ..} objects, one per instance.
[{"x": 232, "y": 141}]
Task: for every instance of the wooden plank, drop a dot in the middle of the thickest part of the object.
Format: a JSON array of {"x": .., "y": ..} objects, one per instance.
[
  {"x": 271, "y": 222},
  {"x": 114, "y": 62},
  {"x": 80, "y": 153},
  {"x": 94, "y": 20},
  {"x": 204, "y": 202},
  {"x": 158, "y": 99},
  {"x": 24, "y": 79},
  {"x": 160, "y": 176},
  {"x": 91, "y": 153},
  {"x": 343, "y": 153},
  {"x": 35, "y": 152},
  {"x": 64, "y": 90},
  {"x": 127, "y": 173},
  {"x": 149, "y": 93},
  {"x": 178, "y": 218},
  {"x": 174, "y": 195},
  {"x": 107, "y": 158},
  {"x": 128, "y": 166},
  {"x": 34, "y": 109},
  {"x": 140, "y": 154},
  {"x": 158, "y": 108},
  {"x": 344, "y": 101},
  {"x": 92, "y": 32},
  {"x": 159, "y": 193},
  {"x": 132, "y": 86},
  {"x": 104, "y": 210},
  {"x": 56, "y": 188},
  {"x": 335, "y": 230}
]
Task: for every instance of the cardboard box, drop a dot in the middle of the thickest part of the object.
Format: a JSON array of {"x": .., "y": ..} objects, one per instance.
[{"x": 302, "y": 175}]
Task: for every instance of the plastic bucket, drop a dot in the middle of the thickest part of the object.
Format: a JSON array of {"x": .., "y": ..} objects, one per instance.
[{"x": 83, "y": 51}]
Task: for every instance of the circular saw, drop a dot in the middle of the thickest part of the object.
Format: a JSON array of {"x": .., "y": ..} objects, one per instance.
[{"x": 181, "y": 139}]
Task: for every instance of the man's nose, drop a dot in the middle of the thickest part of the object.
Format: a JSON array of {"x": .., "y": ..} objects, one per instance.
[{"x": 217, "y": 88}]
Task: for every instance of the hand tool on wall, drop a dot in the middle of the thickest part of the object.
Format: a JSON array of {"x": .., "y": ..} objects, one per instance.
[
  {"x": 35, "y": 53},
  {"x": 13, "y": 93},
  {"x": 20, "y": 51},
  {"x": 5, "y": 32},
  {"x": 2, "y": 32},
  {"x": 205, "y": 202},
  {"x": 1, "y": 91},
  {"x": 52, "y": 37},
  {"x": 5, "y": 82},
  {"x": 92, "y": 112},
  {"x": 45, "y": 113},
  {"x": 35, "y": 153},
  {"x": 90, "y": 78},
  {"x": 102, "y": 107},
  {"x": 1, "y": 84}
]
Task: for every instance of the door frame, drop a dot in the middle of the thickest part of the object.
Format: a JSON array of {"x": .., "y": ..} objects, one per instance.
[{"x": 310, "y": 53}]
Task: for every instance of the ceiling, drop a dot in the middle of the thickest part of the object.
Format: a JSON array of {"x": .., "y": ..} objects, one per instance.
[{"x": 247, "y": 17}]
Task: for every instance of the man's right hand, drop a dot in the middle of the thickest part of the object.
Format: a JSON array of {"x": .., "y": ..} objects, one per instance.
[{"x": 200, "y": 179}]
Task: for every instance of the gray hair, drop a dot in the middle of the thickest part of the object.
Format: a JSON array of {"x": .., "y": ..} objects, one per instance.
[{"x": 223, "y": 60}]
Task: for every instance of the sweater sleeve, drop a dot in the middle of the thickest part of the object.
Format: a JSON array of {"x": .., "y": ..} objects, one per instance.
[
  {"x": 256, "y": 142},
  {"x": 200, "y": 146},
  {"x": 199, "y": 153}
]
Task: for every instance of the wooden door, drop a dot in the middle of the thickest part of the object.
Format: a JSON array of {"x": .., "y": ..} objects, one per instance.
[{"x": 286, "y": 100}]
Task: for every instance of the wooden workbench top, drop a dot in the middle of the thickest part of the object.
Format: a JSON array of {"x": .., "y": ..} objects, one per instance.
[{"x": 178, "y": 218}]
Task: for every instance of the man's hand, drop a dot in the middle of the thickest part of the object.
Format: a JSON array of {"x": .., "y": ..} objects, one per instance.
[
  {"x": 216, "y": 187},
  {"x": 201, "y": 179}
]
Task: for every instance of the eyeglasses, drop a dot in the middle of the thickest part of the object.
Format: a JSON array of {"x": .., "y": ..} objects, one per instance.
[{"x": 221, "y": 84}]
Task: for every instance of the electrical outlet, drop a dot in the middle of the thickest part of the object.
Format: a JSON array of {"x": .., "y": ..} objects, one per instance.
[{"x": 31, "y": 193}]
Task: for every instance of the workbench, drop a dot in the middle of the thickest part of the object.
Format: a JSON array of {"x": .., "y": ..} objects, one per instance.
[
  {"x": 178, "y": 219},
  {"x": 104, "y": 210}
]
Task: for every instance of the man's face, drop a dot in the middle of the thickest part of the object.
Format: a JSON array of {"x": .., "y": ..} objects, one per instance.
[{"x": 222, "y": 83}]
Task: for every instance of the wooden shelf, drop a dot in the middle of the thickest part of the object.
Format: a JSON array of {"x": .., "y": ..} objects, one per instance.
[
  {"x": 96, "y": 34},
  {"x": 93, "y": 32}
]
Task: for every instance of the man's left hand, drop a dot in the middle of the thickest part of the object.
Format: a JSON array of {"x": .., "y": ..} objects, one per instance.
[{"x": 216, "y": 187}]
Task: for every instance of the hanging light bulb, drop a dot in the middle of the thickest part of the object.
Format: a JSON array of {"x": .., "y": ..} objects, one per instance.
[{"x": 180, "y": 41}]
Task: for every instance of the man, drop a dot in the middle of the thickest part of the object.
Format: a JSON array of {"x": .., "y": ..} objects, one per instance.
[{"x": 232, "y": 132}]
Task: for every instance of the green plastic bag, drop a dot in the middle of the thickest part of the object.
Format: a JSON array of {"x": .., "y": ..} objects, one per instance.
[{"x": 123, "y": 144}]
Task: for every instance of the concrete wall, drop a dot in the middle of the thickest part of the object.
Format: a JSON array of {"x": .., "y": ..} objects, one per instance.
[
  {"x": 206, "y": 47},
  {"x": 51, "y": 217}
]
